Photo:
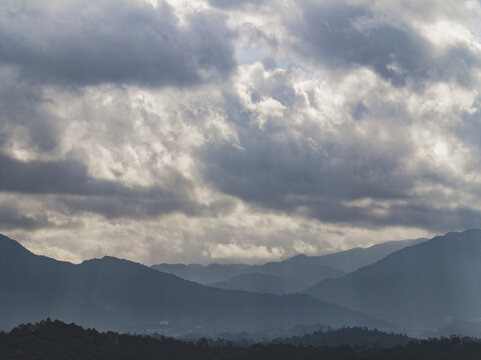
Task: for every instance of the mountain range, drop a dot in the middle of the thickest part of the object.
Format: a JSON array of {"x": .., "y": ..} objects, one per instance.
[
  {"x": 115, "y": 294},
  {"x": 431, "y": 286},
  {"x": 288, "y": 276}
]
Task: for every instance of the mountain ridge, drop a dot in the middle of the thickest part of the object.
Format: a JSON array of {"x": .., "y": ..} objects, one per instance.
[
  {"x": 294, "y": 274},
  {"x": 423, "y": 286},
  {"x": 118, "y": 294}
]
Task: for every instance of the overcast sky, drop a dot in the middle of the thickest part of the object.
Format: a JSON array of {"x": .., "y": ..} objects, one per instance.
[{"x": 244, "y": 131}]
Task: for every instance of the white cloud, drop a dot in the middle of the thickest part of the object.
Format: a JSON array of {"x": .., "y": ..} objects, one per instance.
[{"x": 244, "y": 253}]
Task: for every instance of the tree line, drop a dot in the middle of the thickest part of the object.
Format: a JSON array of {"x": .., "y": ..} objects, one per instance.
[{"x": 54, "y": 340}]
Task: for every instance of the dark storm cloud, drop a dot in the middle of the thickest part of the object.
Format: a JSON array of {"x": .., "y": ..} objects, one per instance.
[
  {"x": 438, "y": 219},
  {"x": 341, "y": 35},
  {"x": 294, "y": 179},
  {"x": 114, "y": 41},
  {"x": 56, "y": 177},
  {"x": 11, "y": 218},
  {"x": 273, "y": 171},
  {"x": 413, "y": 213},
  {"x": 76, "y": 191},
  {"x": 22, "y": 105},
  {"x": 159, "y": 202},
  {"x": 330, "y": 33}
]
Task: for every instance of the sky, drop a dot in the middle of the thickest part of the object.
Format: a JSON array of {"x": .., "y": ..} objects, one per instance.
[{"x": 236, "y": 131}]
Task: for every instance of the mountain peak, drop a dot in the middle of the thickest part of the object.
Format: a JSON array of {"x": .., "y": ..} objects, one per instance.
[
  {"x": 109, "y": 260},
  {"x": 298, "y": 257},
  {"x": 7, "y": 246}
]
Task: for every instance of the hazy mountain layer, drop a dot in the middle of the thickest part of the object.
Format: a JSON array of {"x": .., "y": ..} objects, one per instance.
[
  {"x": 117, "y": 294},
  {"x": 260, "y": 283},
  {"x": 204, "y": 274},
  {"x": 353, "y": 259},
  {"x": 291, "y": 275},
  {"x": 286, "y": 277},
  {"x": 424, "y": 286}
]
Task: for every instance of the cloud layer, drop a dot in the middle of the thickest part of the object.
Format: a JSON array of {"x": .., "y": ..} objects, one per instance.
[
  {"x": 249, "y": 131},
  {"x": 121, "y": 42}
]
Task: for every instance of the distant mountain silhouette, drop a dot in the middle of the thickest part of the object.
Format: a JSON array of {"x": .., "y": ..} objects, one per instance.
[
  {"x": 259, "y": 283},
  {"x": 110, "y": 293},
  {"x": 424, "y": 286},
  {"x": 356, "y": 258},
  {"x": 291, "y": 275},
  {"x": 204, "y": 274},
  {"x": 287, "y": 277}
]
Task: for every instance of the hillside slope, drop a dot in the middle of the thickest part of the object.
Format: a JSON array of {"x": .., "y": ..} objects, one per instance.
[{"x": 423, "y": 286}]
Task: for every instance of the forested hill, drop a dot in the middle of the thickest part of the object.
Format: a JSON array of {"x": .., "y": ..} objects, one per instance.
[
  {"x": 352, "y": 336},
  {"x": 54, "y": 340}
]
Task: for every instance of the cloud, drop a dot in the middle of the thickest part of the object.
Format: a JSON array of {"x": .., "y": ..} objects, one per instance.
[
  {"x": 341, "y": 35},
  {"x": 25, "y": 118},
  {"x": 342, "y": 168},
  {"x": 77, "y": 191},
  {"x": 129, "y": 128},
  {"x": 249, "y": 252},
  {"x": 232, "y": 4},
  {"x": 11, "y": 218},
  {"x": 60, "y": 177},
  {"x": 121, "y": 42}
]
